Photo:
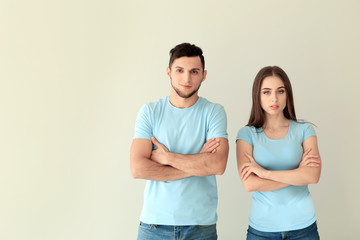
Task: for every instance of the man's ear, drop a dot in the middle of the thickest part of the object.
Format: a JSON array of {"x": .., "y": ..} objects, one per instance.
[
  {"x": 204, "y": 77},
  {"x": 168, "y": 71}
]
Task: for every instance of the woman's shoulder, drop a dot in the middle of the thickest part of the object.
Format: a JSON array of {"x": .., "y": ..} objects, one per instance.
[
  {"x": 248, "y": 131},
  {"x": 302, "y": 126}
]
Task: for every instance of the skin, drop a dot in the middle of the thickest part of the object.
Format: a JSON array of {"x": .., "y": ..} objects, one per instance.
[
  {"x": 186, "y": 75},
  {"x": 276, "y": 126}
]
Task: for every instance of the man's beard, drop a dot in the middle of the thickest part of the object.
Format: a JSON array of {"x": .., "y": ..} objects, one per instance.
[{"x": 184, "y": 95}]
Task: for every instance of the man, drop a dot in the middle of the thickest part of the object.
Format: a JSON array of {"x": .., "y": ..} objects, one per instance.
[{"x": 190, "y": 147}]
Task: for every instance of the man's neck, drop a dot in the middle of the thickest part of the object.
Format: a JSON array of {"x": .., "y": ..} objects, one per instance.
[{"x": 180, "y": 102}]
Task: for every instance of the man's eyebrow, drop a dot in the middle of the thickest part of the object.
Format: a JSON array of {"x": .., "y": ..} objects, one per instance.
[{"x": 197, "y": 69}]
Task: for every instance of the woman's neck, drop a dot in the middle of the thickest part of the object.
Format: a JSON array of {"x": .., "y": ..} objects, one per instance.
[{"x": 276, "y": 122}]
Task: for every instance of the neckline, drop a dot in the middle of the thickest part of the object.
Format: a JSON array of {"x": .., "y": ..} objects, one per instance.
[
  {"x": 287, "y": 134},
  {"x": 182, "y": 109}
]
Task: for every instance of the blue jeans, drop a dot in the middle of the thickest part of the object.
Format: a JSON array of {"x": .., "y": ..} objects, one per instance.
[
  {"x": 308, "y": 233},
  {"x": 169, "y": 232}
]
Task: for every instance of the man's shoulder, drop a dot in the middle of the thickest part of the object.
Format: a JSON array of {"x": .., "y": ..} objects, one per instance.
[
  {"x": 156, "y": 104},
  {"x": 208, "y": 104}
]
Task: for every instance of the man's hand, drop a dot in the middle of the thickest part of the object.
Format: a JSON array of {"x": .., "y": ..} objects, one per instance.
[
  {"x": 210, "y": 146},
  {"x": 159, "y": 155}
]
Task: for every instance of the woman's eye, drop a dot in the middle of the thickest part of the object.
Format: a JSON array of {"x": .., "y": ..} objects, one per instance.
[
  {"x": 281, "y": 91},
  {"x": 266, "y": 92}
]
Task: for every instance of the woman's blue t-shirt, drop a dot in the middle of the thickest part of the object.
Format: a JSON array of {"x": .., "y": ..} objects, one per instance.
[{"x": 289, "y": 208}]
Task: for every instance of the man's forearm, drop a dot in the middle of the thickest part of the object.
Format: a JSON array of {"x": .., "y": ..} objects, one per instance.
[
  {"x": 201, "y": 164},
  {"x": 154, "y": 171},
  {"x": 144, "y": 168}
]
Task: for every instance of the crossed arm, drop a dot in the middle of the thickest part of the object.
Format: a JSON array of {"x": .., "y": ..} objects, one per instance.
[
  {"x": 162, "y": 165},
  {"x": 256, "y": 178}
]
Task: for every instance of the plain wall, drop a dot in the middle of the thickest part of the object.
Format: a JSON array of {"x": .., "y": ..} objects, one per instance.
[{"x": 73, "y": 75}]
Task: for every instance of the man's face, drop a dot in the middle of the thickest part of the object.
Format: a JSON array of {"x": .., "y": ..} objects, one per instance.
[{"x": 186, "y": 75}]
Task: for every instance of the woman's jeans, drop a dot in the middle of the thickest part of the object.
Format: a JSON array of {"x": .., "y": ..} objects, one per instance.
[{"x": 308, "y": 233}]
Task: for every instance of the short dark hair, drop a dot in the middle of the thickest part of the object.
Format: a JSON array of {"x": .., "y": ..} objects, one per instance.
[{"x": 186, "y": 50}]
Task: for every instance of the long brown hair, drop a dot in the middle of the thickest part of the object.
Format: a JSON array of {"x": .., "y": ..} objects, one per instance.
[{"x": 257, "y": 115}]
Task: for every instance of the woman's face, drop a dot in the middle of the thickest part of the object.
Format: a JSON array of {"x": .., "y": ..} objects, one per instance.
[{"x": 273, "y": 95}]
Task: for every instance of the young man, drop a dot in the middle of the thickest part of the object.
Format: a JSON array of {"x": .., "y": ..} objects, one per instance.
[{"x": 190, "y": 147}]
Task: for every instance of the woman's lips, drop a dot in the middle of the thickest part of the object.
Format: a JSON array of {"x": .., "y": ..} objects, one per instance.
[{"x": 274, "y": 107}]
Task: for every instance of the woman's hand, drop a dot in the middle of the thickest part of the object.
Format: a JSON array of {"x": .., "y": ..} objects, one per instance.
[
  {"x": 252, "y": 167},
  {"x": 308, "y": 160}
]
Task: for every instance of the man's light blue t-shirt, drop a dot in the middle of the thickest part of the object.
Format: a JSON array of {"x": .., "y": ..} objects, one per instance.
[
  {"x": 289, "y": 208},
  {"x": 192, "y": 200}
]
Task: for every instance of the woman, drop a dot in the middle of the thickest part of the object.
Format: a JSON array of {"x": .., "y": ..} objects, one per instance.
[{"x": 277, "y": 158}]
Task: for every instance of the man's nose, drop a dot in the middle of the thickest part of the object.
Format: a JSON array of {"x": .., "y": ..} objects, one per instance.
[{"x": 186, "y": 77}]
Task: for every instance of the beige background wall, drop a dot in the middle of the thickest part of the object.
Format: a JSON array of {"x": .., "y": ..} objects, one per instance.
[{"x": 73, "y": 75}]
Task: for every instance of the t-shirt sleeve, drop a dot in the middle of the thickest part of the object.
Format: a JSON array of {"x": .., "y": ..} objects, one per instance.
[
  {"x": 245, "y": 134},
  {"x": 143, "y": 126},
  {"x": 218, "y": 123},
  {"x": 308, "y": 131}
]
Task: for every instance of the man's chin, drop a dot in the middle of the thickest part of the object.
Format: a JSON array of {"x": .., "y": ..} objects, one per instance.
[
  {"x": 183, "y": 95},
  {"x": 186, "y": 96}
]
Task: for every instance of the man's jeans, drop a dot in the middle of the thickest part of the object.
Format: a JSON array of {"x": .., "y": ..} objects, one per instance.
[
  {"x": 308, "y": 233},
  {"x": 168, "y": 232}
]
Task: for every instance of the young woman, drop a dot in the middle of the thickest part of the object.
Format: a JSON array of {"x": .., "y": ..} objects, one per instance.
[{"x": 277, "y": 158}]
